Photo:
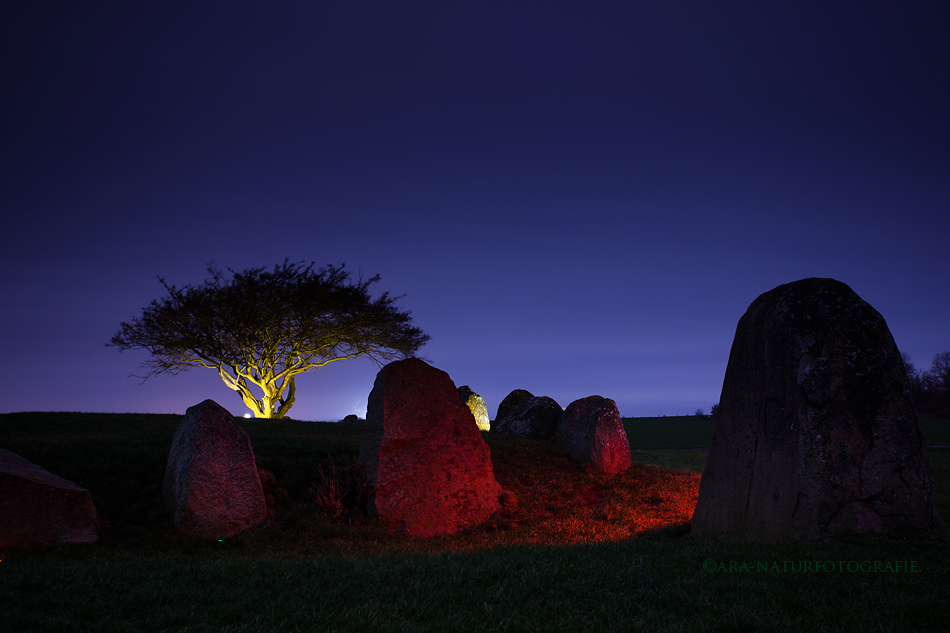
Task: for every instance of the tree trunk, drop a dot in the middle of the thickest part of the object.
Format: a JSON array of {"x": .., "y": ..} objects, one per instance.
[
  {"x": 286, "y": 403},
  {"x": 265, "y": 406}
]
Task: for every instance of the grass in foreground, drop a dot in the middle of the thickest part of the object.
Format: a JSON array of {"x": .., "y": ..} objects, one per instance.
[
  {"x": 578, "y": 552},
  {"x": 633, "y": 585}
]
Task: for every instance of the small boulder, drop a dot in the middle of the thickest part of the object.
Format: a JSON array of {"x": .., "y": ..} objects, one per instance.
[
  {"x": 591, "y": 430},
  {"x": 212, "y": 487},
  {"x": 429, "y": 469},
  {"x": 512, "y": 401},
  {"x": 351, "y": 418},
  {"x": 37, "y": 508},
  {"x": 816, "y": 435},
  {"x": 522, "y": 414},
  {"x": 477, "y": 405}
]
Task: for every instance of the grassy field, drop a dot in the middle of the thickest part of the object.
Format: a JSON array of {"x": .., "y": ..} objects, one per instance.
[
  {"x": 688, "y": 430},
  {"x": 673, "y": 431},
  {"x": 574, "y": 551}
]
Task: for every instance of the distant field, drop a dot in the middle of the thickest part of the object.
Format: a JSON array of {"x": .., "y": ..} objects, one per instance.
[
  {"x": 936, "y": 432},
  {"x": 687, "y": 430},
  {"x": 672, "y": 431}
]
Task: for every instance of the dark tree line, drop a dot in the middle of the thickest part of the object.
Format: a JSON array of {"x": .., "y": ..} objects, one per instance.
[{"x": 930, "y": 388}]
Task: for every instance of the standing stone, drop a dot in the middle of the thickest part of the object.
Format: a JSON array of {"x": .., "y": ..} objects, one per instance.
[
  {"x": 37, "y": 508},
  {"x": 591, "y": 430},
  {"x": 817, "y": 435},
  {"x": 429, "y": 469},
  {"x": 522, "y": 414},
  {"x": 211, "y": 484},
  {"x": 477, "y": 405},
  {"x": 512, "y": 401}
]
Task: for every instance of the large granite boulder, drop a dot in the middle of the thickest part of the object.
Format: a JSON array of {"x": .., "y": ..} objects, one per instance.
[
  {"x": 522, "y": 414},
  {"x": 477, "y": 405},
  {"x": 37, "y": 508},
  {"x": 429, "y": 469},
  {"x": 817, "y": 436},
  {"x": 212, "y": 487},
  {"x": 591, "y": 430}
]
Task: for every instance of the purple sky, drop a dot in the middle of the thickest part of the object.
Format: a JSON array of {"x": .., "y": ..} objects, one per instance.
[{"x": 576, "y": 198}]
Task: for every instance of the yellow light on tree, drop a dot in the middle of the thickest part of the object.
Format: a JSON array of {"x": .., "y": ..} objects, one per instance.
[{"x": 260, "y": 329}]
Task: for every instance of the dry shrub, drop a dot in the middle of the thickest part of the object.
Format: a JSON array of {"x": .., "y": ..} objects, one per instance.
[{"x": 338, "y": 490}]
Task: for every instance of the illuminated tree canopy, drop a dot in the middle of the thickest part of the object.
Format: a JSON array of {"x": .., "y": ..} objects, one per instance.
[{"x": 262, "y": 328}]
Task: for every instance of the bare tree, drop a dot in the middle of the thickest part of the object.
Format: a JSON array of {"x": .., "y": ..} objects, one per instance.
[
  {"x": 940, "y": 370},
  {"x": 263, "y": 328},
  {"x": 913, "y": 377},
  {"x": 909, "y": 370}
]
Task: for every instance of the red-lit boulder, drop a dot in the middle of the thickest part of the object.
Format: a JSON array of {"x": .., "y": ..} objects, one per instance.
[
  {"x": 522, "y": 414},
  {"x": 37, "y": 508},
  {"x": 429, "y": 470},
  {"x": 590, "y": 430},
  {"x": 816, "y": 436},
  {"x": 211, "y": 484}
]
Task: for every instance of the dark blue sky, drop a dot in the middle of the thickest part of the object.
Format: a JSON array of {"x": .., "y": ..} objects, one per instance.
[{"x": 576, "y": 198}]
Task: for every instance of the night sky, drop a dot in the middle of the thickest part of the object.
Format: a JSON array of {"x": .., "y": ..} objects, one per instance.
[{"x": 575, "y": 198}]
